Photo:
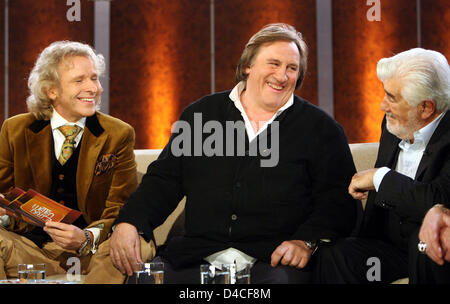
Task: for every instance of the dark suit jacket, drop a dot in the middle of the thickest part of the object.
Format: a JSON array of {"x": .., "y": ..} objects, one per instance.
[
  {"x": 400, "y": 205},
  {"x": 26, "y": 149},
  {"x": 234, "y": 202}
]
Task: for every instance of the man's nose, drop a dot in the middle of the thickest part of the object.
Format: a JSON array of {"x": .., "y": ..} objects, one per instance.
[
  {"x": 93, "y": 86},
  {"x": 281, "y": 75},
  {"x": 384, "y": 106}
]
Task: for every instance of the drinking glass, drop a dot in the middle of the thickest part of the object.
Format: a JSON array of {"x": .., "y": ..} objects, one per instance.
[
  {"x": 243, "y": 275},
  {"x": 207, "y": 274},
  {"x": 212, "y": 275},
  {"x": 31, "y": 272},
  {"x": 150, "y": 273},
  {"x": 157, "y": 272}
]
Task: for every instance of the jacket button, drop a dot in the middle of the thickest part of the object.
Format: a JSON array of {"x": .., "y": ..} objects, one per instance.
[
  {"x": 238, "y": 185},
  {"x": 60, "y": 190},
  {"x": 234, "y": 217},
  {"x": 61, "y": 177}
]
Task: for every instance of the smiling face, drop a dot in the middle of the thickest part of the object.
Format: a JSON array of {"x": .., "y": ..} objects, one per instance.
[
  {"x": 273, "y": 74},
  {"x": 79, "y": 89},
  {"x": 402, "y": 120}
]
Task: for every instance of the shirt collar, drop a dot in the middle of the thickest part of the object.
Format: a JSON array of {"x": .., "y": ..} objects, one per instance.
[
  {"x": 423, "y": 136},
  {"x": 235, "y": 96},
  {"x": 57, "y": 121}
]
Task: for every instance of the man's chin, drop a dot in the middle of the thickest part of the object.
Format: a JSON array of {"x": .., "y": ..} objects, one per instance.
[{"x": 397, "y": 131}]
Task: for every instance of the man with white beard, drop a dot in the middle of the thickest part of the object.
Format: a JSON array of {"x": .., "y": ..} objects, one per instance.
[{"x": 411, "y": 175}]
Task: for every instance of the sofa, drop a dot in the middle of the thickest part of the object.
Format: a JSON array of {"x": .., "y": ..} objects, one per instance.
[{"x": 364, "y": 156}]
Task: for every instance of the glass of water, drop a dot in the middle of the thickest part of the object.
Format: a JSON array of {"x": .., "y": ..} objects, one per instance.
[
  {"x": 150, "y": 273},
  {"x": 243, "y": 274},
  {"x": 212, "y": 275},
  {"x": 31, "y": 272},
  {"x": 207, "y": 274},
  {"x": 157, "y": 272}
]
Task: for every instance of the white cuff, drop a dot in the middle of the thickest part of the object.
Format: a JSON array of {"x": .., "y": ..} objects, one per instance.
[
  {"x": 378, "y": 176},
  {"x": 4, "y": 220},
  {"x": 96, "y": 233}
]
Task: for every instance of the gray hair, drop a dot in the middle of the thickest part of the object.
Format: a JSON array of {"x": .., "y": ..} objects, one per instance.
[
  {"x": 44, "y": 74},
  {"x": 424, "y": 74},
  {"x": 271, "y": 33}
]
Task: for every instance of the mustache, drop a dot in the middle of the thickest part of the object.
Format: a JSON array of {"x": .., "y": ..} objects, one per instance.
[{"x": 389, "y": 114}]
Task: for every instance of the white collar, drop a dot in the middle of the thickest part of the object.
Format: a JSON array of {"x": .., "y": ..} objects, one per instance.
[
  {"x": 57, "y": 121},
  {"x": 423, "y": 136},
  {"x": 235, "y": 96}
]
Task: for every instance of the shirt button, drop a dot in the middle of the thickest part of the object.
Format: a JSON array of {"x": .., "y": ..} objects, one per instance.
[{"x": 234, "y": 217}]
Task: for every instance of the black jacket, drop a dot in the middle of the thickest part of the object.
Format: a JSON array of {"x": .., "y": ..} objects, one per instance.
[
  {"x": 399, "y": 206},
  {"x": 232, "y": 201}
]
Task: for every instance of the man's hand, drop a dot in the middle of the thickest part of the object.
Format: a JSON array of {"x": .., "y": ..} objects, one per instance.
[
  {"x": 361, "y": 183},
  {"x": 125, "y": 248},
  {"x": 294, "y": 253},
  {"x": 445, "y": 240},
  {"x": 430, "y": 232},
  {"x": 67, "y": 236}
]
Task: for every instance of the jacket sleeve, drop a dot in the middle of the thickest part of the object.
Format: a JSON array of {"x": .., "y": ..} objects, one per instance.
[
  {"x": 331, "y": 169},
  {"x": 157, "y": 195},
  {"x": 411, "y": 198}
]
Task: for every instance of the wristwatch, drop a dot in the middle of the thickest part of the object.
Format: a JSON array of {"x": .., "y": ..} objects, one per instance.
[
  {"x": 86, "y": 247},
  {"x": 312, "y": 245}
]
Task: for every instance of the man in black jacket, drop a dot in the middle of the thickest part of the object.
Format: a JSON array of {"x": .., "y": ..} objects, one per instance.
[
  {"x": 412, "y": 173},
  {"x": 247, "y": 201}
]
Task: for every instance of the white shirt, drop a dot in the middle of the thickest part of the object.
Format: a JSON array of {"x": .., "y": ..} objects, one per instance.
[
  {"x": 233, "y": 255},
  {"x": 410, "y": 155},
  {"x": 58, "y": 139},
  {"x": 235, "y": 96}
]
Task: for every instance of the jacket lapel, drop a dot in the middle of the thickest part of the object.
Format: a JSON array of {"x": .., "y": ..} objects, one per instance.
[
  {"x": 389, "y": 149},
  {"x": 39, "y": 150},
  {"x": 92, "y": 143},
  {"x": 434, "y": 144}
]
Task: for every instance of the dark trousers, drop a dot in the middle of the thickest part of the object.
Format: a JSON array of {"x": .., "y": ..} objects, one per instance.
[
  {"x": 261, "y": 273},
  {"x": 362, "y": 261},
  {"x": 358, "y": 261}
]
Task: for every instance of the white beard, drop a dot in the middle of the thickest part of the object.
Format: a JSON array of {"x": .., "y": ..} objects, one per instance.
[{"x": 406, "y": 130}]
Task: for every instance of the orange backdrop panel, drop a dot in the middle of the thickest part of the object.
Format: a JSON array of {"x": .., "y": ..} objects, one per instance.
[
  {"x": 33, "y": 25},
  {"x": 160, "y": 63},
  {"x": 436, "y": 25},
  {"x": 236, "y": 21},
  {"x": 358, "y": 45}
]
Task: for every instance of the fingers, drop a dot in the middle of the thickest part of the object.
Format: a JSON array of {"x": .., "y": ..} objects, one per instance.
[
  {"x": 67, "y": 236},
  {"x": 445, "y": 243},
  {"x": 277, "y": 255},
  {"x": 125, "y": 248},
  {"x": 2, "y": 211},
  {"x": 291, "y": 253}
]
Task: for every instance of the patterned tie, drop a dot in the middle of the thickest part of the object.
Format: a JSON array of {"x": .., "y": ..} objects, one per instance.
[{"x": 70, "y": 132}]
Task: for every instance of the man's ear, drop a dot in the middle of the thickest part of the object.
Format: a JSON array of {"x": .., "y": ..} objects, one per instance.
[
  {"x": 427, "y": 108},
  {"x": 52, "y": 93}
]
